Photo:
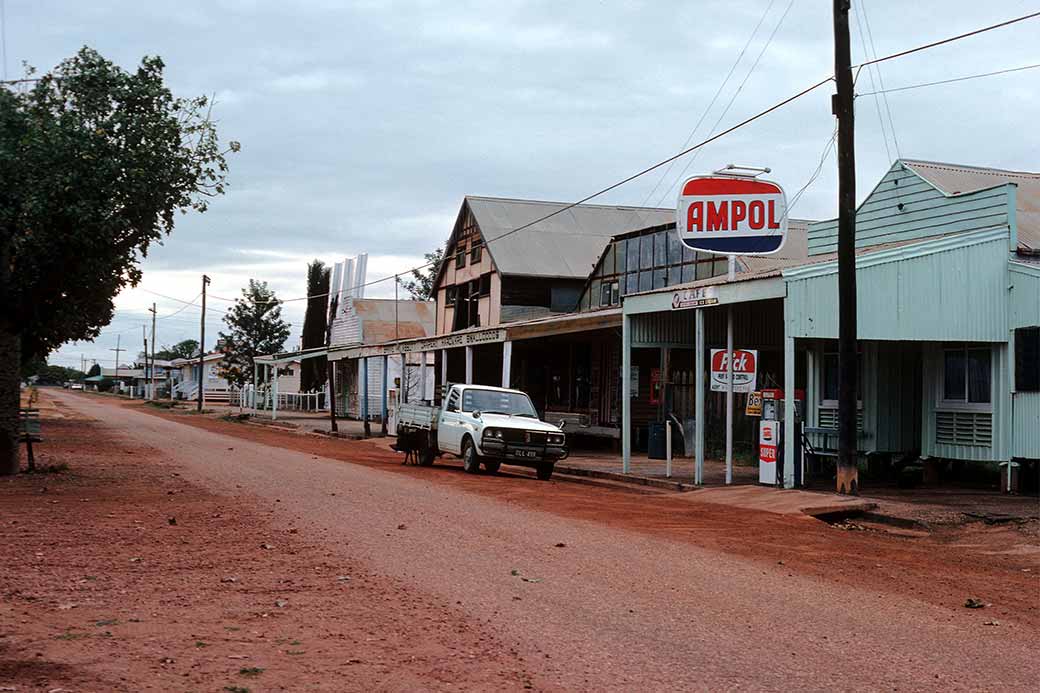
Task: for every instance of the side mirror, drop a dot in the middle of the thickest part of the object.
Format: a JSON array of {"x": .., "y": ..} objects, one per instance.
[
  {"x": 562, "y": 424},
  {"x": 476, "y": 414}
]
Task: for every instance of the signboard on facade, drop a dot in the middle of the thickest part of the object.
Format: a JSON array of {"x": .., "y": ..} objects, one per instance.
[
  {"x": 754, "y": 404},
  {"x": 732, "y": 215},
  {"x": 694, "y": 298},
  {"x": 745, "y": 370}
]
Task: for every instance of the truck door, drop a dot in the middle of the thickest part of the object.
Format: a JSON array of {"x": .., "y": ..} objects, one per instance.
[{"x": 449, "y": 430}]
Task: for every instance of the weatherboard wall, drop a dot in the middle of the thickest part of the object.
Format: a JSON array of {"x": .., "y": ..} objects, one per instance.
[{"x": 905, "y": 207}]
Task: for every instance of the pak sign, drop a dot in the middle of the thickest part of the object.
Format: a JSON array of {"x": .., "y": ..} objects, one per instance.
[
  {"x": 745, "y": 370},
  {"x": 736, "y": 216}
]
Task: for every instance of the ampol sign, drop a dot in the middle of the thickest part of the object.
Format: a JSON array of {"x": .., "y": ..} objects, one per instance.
[
  {"x": 745, "y": 370},
  {"x": 739, "y": 216}
]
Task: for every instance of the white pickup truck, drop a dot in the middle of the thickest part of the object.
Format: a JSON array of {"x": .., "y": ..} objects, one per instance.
[{"x": 482, "y": 425}]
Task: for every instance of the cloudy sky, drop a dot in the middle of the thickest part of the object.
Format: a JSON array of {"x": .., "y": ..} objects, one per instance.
[{"x": 363, "y": 124}]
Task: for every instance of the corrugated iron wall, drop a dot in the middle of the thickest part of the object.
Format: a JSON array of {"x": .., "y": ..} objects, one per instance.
[
  {"x": 756, "y": 325},
  {"x": 1025, "y": 295},
  {"x": 956, "y": 294},
  {"x": 1026, "y": 425}
]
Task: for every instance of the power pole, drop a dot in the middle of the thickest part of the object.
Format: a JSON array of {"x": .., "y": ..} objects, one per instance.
[
  {"x": 202, "y": 344},
  {"x": 151, "y": 362},
  {"x": 848, "y": 476},
  {"x": 117, "y": 350},
  {"x": 144, "y": 338}
]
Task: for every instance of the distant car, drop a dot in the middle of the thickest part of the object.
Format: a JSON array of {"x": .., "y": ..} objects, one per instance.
[{"x": 76, "y": 386}]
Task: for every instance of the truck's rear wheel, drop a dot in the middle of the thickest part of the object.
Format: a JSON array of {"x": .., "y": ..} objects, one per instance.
[
  {"x": 470, "y": 458},
  {"x": 427, "y": 456},
  {"x": 544, "y": 471},
  {"x": 492, "y": 466}
]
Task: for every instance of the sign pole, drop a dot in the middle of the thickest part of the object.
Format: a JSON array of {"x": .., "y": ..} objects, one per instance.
[{"x": 729, "y": 377}]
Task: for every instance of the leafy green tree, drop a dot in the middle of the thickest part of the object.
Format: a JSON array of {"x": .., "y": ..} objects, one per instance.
[
  {"x": 255, "y": 328},
  {"x": 181, "y": 350},
  {"x": 315, "y": 326},
  {"x": 95, "y": 163},
  {"x": 420, "y": 286}
]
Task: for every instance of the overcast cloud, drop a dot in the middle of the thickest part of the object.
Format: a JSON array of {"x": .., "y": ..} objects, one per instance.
[{"x": 364, "y": 124}]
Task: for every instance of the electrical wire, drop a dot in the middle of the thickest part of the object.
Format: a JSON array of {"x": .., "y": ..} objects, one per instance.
[
  {"x": 873, "y": 85},
  {"x": 955, "y": 79},
  {"x": 733, "y": 98},
  {"x": 714, "y": 98},
  {"x": 704, "y": 142},
  {"x": 881, "y": 79},
  {"x": 951, "y": 39}
]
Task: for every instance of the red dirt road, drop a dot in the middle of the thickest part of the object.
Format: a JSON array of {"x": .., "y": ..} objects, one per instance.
[{"x": 458, "y": 582}]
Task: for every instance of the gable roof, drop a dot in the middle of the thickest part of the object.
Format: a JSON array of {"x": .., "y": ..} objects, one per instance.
[
  {"x": 567, "y": 245},
  {"x": 956, "y": 179}
]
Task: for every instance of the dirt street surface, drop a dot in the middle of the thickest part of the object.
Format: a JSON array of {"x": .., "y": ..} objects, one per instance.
[{"x": 180, "y": 553}]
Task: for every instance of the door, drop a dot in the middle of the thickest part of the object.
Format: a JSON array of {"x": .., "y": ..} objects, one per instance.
[{"x": 449, "y": 429}]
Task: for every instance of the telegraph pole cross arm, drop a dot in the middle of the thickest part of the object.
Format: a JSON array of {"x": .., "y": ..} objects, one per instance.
[{"x": 848, "y": 474}]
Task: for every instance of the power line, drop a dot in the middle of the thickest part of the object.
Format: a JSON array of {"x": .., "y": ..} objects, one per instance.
[
  {"x": 954, "y": 79},
  {"x": 733, "y": 98},
  {"x": 714, "y": 98},
  {"x": 695, "y": 147},
  {"x": 873, "y": 85},
  {"x": 951, "y": 39},
  {"x": 881, "y": 79}
]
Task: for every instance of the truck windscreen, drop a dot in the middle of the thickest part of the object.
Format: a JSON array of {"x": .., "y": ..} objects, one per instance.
[{"x": 495, "y": 402}]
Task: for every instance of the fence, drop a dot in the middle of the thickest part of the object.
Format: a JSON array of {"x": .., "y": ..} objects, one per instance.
[{"x": 260, "y": 399}]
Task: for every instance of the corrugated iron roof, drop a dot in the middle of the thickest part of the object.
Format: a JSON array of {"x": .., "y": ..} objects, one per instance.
[
  {"x": 956, "y": 179},
  {"x": 566, "y": 245}
]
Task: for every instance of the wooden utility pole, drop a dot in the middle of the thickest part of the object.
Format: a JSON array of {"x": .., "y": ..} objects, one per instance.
[
  {"x": 118, "y": 349},
  {"x": 150, "y": 366},
  {"x": 202, "y": 346},
  {"x": 330, "y": 366},
  {"x": 847, "y": 477}
]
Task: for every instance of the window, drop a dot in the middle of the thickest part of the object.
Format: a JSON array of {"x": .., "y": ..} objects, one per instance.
[
  {"x": 604, "y": 289},
  {"x": 615, "y": 295},
  {"x": 830, "y": 379},
  {"x": 485, "y": 283},
  {"x": 1027, "y": 359},
  {"x": 967, "y": 376},
  {"x": 449, "y": 296},
  {"x": 460, "y": 257},
  {"x": 453, "y": 401},
  {"x": 475, "y": 253},
  {"x": 646, "y": 252}
]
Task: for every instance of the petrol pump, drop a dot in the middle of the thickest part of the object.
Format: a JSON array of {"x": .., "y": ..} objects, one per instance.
[{"x": 771, "y": 438}]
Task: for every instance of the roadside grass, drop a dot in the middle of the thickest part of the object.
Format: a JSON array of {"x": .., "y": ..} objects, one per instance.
[{"x": 250, "y": 671}]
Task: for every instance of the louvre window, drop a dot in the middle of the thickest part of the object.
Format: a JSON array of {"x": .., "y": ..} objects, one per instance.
[{"x": 964, "y": 428}]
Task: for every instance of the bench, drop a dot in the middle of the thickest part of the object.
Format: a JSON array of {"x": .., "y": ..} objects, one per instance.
[
  {"x": 29, "y": 432},
  {"x": 579, "y": 423}
]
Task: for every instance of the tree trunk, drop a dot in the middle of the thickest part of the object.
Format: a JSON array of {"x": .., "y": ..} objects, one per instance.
[{"x": 10, "y": 392}]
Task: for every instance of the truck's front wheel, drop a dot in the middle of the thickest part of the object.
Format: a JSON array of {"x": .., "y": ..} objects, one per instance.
[
  {"x": 492, "y": 466},
  {"x": 544, "y": 471},
  {"x": 470, "y": 458}
]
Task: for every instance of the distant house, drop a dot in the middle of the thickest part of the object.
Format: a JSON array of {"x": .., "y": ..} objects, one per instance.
[
  {"x": 186, "y": 385},
  {"x": 366, "y": 321}
]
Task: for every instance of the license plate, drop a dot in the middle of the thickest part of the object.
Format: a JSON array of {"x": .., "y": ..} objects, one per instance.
[{"x": 525, "y": 453}]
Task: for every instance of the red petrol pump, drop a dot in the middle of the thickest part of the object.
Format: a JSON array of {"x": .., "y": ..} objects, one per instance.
[{"x": 771, "y": 438}]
